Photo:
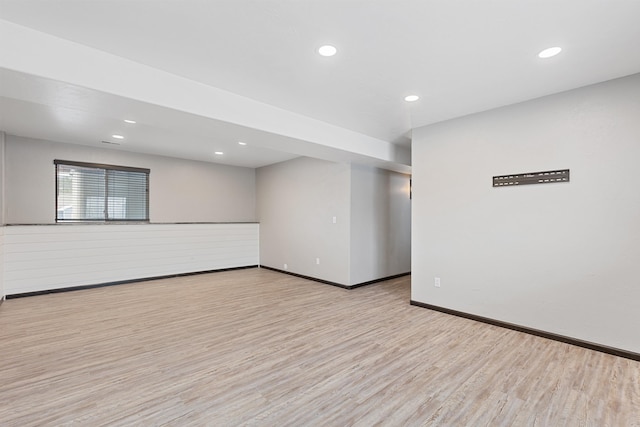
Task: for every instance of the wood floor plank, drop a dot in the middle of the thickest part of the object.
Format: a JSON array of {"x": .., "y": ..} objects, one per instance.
[{"x": 258, "y": 348}]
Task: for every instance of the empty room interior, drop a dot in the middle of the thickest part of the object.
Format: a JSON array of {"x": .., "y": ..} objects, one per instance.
[{"x": 322, "y": 212}]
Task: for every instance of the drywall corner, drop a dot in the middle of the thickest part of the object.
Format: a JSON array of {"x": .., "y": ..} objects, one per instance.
[
  {"x": 380, "y": 235},
  {"x": 303, "y": 210}
]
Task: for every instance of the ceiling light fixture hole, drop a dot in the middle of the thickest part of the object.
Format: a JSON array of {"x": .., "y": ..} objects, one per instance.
[
  {"x": 327, "y": 50},
  {"x": 549, "y": 52}
]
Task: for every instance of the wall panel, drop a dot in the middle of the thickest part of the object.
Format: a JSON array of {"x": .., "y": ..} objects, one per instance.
[
  {"x": 2, "y": 291},
  {"x": 47, "y": 257}
]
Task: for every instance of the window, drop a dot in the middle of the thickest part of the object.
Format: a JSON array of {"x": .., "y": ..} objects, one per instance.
[{"x": 92, "y": 192}]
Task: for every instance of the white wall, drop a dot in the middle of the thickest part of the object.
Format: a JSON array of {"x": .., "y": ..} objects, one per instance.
[
  {"x": 371, "y": 238},
  {"x": 180, "y": 190},
  {"x": 380, "y": 224},
  {"x": 2, "y": 173},
  {"x": 297, "y": 201},
  {"x": 58, "y": 256},
  {"x": 562, "y": 258},
  {"x": 2, "y": 145}
]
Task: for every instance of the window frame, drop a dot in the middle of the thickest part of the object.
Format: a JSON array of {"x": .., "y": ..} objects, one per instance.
[{"x": 105, "y": 167}]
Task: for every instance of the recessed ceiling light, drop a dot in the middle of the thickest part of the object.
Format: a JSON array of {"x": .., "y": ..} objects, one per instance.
[
  {"x": 411, "y": 98},
  {"x": 548, "y": 53},
  {"x": 117, "y": 136},
  {"x": 130, "y": 121},
  {"x": 219, "y": 153},
  {"x": 242, "y": 143},
  {"x": 327, "y": 50}
]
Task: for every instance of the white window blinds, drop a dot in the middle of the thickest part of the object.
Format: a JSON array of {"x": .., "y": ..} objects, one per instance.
[{"x": 94, "y": 192}]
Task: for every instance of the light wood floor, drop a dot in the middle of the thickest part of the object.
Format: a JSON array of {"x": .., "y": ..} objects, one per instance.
[{"x": 255, "y": 347}]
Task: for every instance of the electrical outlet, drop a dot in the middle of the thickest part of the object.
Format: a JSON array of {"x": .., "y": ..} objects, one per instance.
[
  {"x": 335, "y": 219},
  {"x": 318, "y": 261},
  {"x": 436, "y": 282},
  {"x": 286, "y": 266}
]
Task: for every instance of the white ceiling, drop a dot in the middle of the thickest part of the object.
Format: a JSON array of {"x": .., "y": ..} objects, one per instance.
[
  {"x": 44, "y": 109},
  {"x": 460, "y": 56}
]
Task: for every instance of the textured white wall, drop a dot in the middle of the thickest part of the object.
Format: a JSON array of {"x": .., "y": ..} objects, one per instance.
[
  {"x": 297, "y": 201},
  {"x": 43, "y": 257},
  {"x": 2, "y": 291},
  {"x": 179, "y": 190},
  {"x": 380, "y": 224},
  {"x": 561, "y": 258}
]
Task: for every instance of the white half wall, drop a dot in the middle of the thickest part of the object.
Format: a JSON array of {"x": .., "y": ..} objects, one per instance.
[
  {"x": 2, "y": 291},
  {"x": 297, "y": 201},
  {"x": 380, "y": 241},
  {"x": 179, "y": 190},
  {"x": 49, "y": 257},
  {"x": 561, "y": 258}
]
